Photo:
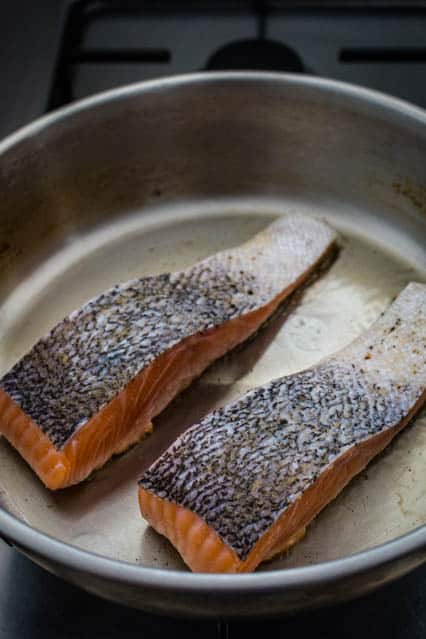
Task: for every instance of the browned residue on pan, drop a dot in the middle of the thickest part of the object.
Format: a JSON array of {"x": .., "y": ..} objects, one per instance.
[{"x": 416, "y": 193}]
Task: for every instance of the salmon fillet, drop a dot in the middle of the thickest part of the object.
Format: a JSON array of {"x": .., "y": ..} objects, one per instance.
[
  {"x": 91, "y": 387},
  {"x": 243, "y": 484}
]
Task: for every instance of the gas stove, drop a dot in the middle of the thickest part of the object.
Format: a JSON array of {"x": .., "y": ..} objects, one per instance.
[
  {"x": 110, "y": 43},
  {"x": 59, "y": 52}
]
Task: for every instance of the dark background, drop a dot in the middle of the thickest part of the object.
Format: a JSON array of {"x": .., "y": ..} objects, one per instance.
[{"x": 36, "y": 605}]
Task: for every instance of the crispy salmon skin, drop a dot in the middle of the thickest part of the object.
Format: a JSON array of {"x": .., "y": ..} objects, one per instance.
[
  {"x": 243, "y": 484},
  {"x": 90, "y": 388}
]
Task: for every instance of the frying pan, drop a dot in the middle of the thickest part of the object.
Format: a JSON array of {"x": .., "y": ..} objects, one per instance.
[{"x": 152, "y": 177}]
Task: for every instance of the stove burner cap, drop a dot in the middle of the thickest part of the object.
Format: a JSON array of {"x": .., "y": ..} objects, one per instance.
[{"x": 262, "y": 55}]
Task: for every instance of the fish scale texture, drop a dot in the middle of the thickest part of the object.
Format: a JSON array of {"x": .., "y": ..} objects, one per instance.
[
  {"x": 244, "y": 464},
  {"x": 93, "y": 354}
]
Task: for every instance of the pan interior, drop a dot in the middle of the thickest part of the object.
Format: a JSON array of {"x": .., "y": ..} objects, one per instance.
[{"x": 101, "y": 515}]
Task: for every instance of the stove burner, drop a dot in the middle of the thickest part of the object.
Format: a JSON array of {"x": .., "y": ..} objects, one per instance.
[
  {"x": 260, "y": 54},
  {"x": 108, "y": 43}
]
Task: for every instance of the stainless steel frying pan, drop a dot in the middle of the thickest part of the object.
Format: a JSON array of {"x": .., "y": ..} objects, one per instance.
[{"x": 152, "y": 177}]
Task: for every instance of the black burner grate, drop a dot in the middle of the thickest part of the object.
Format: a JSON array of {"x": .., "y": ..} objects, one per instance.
[{"x": 108, "y": 43}]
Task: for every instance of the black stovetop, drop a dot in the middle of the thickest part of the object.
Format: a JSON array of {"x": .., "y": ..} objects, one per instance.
[
  {"x": 108, "y": 43},
  {"x": 36, "y": 605},
  {"x": 55, "y": 51}
]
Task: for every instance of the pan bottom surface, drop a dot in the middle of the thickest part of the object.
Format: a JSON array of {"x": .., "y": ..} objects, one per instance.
[{"x": 376, "y": 261}]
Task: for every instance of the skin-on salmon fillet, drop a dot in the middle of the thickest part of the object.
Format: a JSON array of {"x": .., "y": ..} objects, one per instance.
[
  {"x": 91, "y": 387},
  {"x": 243, "y": 484}
]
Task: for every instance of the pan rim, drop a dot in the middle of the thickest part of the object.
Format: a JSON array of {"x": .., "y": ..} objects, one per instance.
[
  {"x": 401, "y": 109},
  {"x": 31, "y": 540},
  {"x": 35, "y": 541}
]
